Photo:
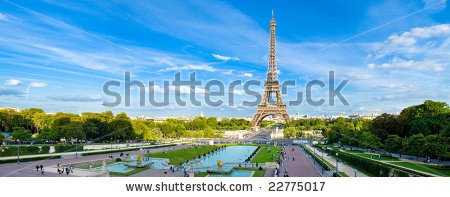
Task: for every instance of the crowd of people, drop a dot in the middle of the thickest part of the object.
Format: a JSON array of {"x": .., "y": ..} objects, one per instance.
[{"x": 65, "y": 170}]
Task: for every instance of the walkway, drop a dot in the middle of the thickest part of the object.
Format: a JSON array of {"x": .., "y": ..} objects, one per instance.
[
  {"x": 26, "y": 169},
  {"x": 341, "y": 166},
  {"x": 300, "y": 167}
]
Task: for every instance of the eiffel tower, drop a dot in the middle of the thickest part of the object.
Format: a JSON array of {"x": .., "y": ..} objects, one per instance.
[{"x": 268, "y": 106}]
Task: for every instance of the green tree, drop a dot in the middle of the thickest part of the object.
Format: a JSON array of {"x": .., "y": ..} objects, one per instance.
[
  {"x": 22, "y": 134},
  {"x": 212, "y": 122},
  {"x": 435, "y": 145},
  {"x": 385, "y": 125},
  {"x": 73, "y": 130},
  {"x": 369, "y": 140},
  {"x": 415, "y": 145},
  {"x": 289, "y": 132},
  {"x": 153, "y": 134},
  {"x": 394, "y": 144},
  {"x": 48, "y": 135},
  {"x": 121, "y": 127}
]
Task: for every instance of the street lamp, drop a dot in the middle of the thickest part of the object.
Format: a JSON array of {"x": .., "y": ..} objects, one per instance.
[
  {"x": 323, "y": 163},
  {"x": 18, "y": 151},
  {"x": 76, "y": 148},
  {"x": 337, "y": 158},
  {"x": 314, "y": 155},
  {"x": 355, "y": 172}
]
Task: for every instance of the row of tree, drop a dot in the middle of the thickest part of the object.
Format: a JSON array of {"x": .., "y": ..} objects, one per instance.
[
  {"x": 421, "y": 130},
  {"x": 104, "y": 126}
]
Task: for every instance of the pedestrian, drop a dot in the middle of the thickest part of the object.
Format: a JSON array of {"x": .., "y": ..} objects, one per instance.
[
  {"x": 42, "y": 167},
  {"x": 71, "y": 169},
  {"x": 67, "y": 171},
  {"x": 37, "y": 168},
  {"x": 42, "y": 172}
]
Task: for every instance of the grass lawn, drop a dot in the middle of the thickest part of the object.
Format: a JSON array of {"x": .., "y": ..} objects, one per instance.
[
  {"x": 258, "y": 173},
  {"x": 423, "y": 168},
  {"x": 201, "y": 174},
  {"x": 176, "y": 157},
  {"x": 265, "y": 156},
  {"x": 375, "y": 156},
  {"x": 129, "y": 173},
  {"x": 354, "y": 151}
]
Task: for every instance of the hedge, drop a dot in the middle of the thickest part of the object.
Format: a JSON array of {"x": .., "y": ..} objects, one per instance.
[
  {"x": 376, "y": 168},
  {"x": 319, "y": 160},
  {"x": 124, "y": 150},
  {"x": 6, "y": 151},
  {"x": 29, "y": 159}
]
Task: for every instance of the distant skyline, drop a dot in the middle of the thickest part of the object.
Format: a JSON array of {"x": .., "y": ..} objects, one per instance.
[{"x": 56, "y": 55}]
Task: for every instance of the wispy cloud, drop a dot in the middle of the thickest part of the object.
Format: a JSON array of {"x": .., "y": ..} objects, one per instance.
[
  {"x": 247, "y": 75},
  {"x": 38, "y": 84},
  {"x": 3, "y": 17},
  {"x": 76, "y": 98},
  {"x": 190, "y": 67},
  {"x": 13, "y": 82},
  {"x": 225, "y": 58},
  {"x": 10, "y": 92}
]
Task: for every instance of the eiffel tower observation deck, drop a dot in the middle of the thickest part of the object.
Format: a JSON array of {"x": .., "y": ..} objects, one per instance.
[{"x": 269, "y": 105}]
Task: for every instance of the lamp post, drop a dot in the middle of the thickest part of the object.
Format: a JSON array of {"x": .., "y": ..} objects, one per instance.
[
  {"x": 76, "y": 148},
  {"x": 323, "y": 163},
  {"x": 18, "y": 151},
  {"x": 337, "y": 158},
  {"x": 314, "y": 155},
  {"x": 355, "y": 172}
]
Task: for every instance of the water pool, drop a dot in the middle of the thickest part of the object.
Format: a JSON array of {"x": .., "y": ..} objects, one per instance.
[
  {"x": 118, "y": 167},
  {"x": 234, "y": 173},
  {"x": 231, "y": 155},
  {"x": 156, "y": 163}
]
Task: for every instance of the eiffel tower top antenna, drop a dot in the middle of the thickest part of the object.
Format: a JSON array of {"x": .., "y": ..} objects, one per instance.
[{"x": 272, "y": 67}]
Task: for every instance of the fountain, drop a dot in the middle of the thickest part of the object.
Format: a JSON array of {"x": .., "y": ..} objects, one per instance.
[
  {"x": 219, "y": 169},
  {"x": 139, "y": 163}
]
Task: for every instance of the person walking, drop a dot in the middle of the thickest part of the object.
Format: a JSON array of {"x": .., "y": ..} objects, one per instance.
[
  {"x": 37, "y": 167},
  {"x": 67, "y": 171},
  {"x": 42, "y": 167}
]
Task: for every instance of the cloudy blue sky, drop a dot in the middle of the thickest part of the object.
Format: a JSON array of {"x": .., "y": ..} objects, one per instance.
[{"x": 57, "y": 55}]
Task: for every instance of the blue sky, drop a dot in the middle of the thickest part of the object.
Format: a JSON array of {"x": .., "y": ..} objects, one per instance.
[{"x": 57, "y": 55}]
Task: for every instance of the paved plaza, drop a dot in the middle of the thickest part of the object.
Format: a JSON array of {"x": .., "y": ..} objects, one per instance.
[
  {"x": 299, "y": 166},
  {"x": 28, "y": 169}
]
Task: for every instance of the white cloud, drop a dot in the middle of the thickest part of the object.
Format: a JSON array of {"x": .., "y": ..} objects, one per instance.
[
  {"x": 390, "y": 86},
  {"x": 182, "y": 89},
  {"x": 13, "y": 82},
  {"x": 247, "y": 75},
  {"x": 410, "y": 38},
  {"x": 225, "y": 58},
  {"x": 191, "y": 67},
  {"x": 76, "y": 98},
  {"x": 38, "y": 84},
  {"x": 3, "y": 17},
  {"x": 228, "y": 72},
  {"x": 357, "y": 76},
  {"x": 400, "y": 64}
]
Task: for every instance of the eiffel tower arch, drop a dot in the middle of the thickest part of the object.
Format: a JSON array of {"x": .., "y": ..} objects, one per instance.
[{"x": 271, "y": 102}]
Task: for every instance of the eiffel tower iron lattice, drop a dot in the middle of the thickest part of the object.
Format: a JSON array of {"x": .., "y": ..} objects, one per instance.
[{"x": 271, "y": 87}]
